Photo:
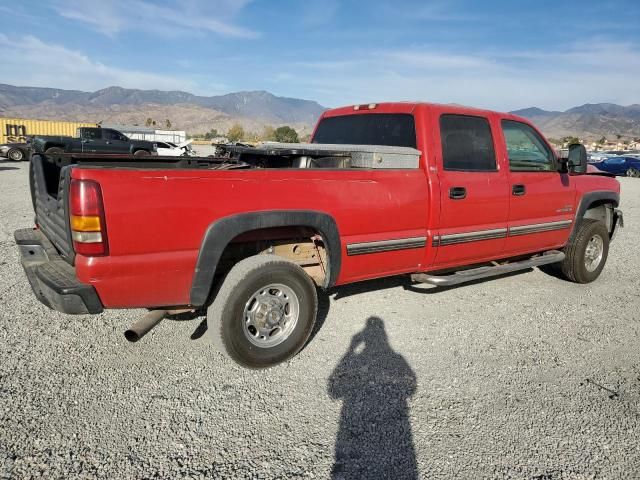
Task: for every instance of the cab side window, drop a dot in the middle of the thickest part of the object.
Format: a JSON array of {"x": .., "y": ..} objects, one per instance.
[
  {"x": 527, "y": 150},
  {"x": 112, "y": 135},
  {"x": 467, "y": 144},
  {"x": 90, "y": 133}
]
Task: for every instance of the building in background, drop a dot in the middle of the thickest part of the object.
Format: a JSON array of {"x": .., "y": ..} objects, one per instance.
[
  {"x": 16, "y": 130},
  {"x": 151, "y": 134}
]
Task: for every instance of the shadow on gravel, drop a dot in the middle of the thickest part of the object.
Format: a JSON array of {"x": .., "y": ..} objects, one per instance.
[
  {"x": 374, "y": 383},
  {"x": 8, "y": 168}
]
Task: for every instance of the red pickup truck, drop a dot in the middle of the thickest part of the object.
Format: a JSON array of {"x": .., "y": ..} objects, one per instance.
[{"x": 445, "y": 194}]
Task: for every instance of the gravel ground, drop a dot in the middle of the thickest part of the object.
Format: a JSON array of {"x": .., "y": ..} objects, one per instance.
[{"x": 526, "y": 376}]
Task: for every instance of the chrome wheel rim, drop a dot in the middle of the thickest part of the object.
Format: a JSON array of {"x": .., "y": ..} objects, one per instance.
[
  {"x": 270, "y": 315},
  {"x": 15, "y": 155},
  {"x": 593, "y": 253}
]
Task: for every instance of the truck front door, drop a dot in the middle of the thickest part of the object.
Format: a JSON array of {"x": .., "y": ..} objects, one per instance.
[
  {"x": 542, "y": 200},
  {"x": 115, "y": 142},
  {"x": 474, "y": 191}
]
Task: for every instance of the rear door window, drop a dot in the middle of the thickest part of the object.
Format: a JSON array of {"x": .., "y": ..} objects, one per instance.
[
  {"x": 391, "y": 129},
  {"x": 467, "y": 143},
  {"x": 91, "y": 133}
]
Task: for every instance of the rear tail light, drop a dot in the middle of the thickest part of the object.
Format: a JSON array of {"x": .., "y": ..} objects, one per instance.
[{"x": 88, "y": 228}]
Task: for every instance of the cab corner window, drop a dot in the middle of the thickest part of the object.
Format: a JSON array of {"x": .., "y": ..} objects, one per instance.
[
  {"x": 467, "y": 144},
  {"x": 527, "y": 150}
]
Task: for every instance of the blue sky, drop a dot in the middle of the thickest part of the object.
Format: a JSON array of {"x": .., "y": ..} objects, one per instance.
[{"x": 495, "y": 54}]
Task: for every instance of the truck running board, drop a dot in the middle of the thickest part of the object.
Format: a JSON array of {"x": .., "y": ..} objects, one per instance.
[{"x": 463, "y": 276}]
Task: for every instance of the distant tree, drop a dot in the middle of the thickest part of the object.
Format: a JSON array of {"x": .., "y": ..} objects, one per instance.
[
  {"x": 211, "y": 134},
  {"x": 602, "y": 141},
  {"x": 153, "y": 123},
  {"x": 618, "y": 136},
  {"x": 149, "y": 121},
  {"x": 167, "y": 123},
  {"x": 268, "y": 134},
  {"x": 235, "y": 133},
  {"x": 286, "y": 134},
  {"x": 306, "y": 138},
  {"x": 570, "y": 140}
]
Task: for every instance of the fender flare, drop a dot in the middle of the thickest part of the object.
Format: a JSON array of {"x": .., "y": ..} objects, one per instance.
[
  {"x": 220, "y": 233},
  {"x": 588, "y": 200}
]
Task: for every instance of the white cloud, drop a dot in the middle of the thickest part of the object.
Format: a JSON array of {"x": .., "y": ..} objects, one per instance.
[
  {"x": 596, "y": 71},
  {"x": 30, "y": 61},
  {"x": 180, "y": 18}
]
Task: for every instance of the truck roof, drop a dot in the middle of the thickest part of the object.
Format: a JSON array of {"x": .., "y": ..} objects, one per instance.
[{"x": 411, "y": 106}]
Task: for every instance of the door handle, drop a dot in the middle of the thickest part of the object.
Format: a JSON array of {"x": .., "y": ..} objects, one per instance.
[
  {"x": 518, "y": 190},
  {"x": 457, "y": 193}
]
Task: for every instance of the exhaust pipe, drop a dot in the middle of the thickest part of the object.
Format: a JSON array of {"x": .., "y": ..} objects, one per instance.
[{"x": 144, "y": 325}]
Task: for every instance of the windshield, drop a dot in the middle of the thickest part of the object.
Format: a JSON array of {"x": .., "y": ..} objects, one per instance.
[{"x": 392, "y": 129}]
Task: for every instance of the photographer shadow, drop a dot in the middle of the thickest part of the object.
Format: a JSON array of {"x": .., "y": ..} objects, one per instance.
[{"x": 374, "y": 383}]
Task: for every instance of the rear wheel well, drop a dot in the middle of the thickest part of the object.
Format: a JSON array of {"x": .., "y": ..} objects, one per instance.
[{"x": 301, "y": 245}]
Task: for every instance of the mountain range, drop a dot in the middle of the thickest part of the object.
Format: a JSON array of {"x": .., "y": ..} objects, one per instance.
[
  {"x": 257, "y": 109},
  {"x": 186, "y": 111},
  {"x": 591, "y": 121}
]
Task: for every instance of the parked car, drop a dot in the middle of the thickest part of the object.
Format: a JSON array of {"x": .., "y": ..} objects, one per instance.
[
  {"x": 629, "y": 166},
  {"x": 595, "y": 157},
  {"x": 93, "y": 140},
  {"x": 170, "y": 149},
  {"x": 441, "y": 193},
  {"x": 15, "y": 151}
]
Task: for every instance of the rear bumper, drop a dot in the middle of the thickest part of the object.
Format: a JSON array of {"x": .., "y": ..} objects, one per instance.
[{"x": 52, "y": 279}]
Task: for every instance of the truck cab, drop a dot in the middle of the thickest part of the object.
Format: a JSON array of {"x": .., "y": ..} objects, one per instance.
[{"x": 102, "y": 140}]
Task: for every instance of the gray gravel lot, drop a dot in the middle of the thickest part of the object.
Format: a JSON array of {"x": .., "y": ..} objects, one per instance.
[{"x": 526, "y": 376}]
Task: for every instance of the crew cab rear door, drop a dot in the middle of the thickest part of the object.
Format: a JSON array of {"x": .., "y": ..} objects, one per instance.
[
  {"x": 542, "y": 200},
  {"x": 474, "y": 190},
  {"x": 91, "y": 140}
]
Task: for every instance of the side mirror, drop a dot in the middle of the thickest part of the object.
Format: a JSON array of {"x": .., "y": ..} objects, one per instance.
[{"x": 577, "y": 158}]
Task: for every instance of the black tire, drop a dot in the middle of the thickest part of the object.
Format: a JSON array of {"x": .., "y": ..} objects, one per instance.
[
  {"x": 226, "y": 323},
  {"x": 53, "y": 150},
  {"x": 573, "y": 267},
  {"x": 16, "y": 154},
  {"x": 633, "y": 172},
  {"x": 141, "y": 153}
]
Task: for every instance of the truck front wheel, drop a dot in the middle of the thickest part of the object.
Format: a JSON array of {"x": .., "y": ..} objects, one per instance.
[
  {"x": 141, "y": 153},
  {"x": 263, "y": 312},
  {"x": 587, "y": 254},
  {"x": 53, "y": 150}
]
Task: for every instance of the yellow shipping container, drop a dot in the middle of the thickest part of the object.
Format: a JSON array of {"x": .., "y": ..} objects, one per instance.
[{"x": 17, "y": 129}]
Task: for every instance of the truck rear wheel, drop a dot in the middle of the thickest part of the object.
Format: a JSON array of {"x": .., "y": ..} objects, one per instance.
[
  {"x": 53, "y": 150},
  {"x": 264, "y": 311},
  {"x": 587, "y": 254}
]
